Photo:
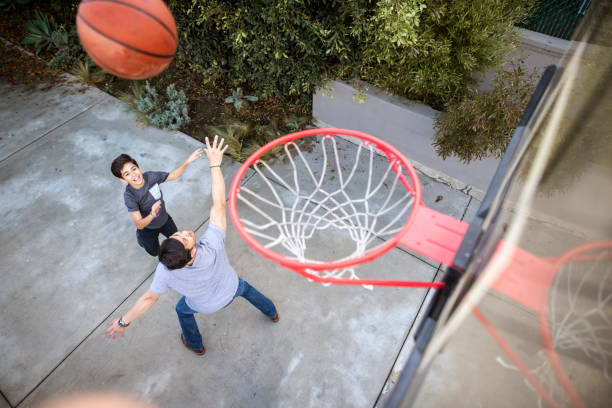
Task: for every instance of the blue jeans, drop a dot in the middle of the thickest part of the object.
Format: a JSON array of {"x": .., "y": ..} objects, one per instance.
[{"x": 188, "y": 322}]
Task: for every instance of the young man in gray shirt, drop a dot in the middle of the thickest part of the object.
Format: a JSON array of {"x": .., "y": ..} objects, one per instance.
[
  {"x": 200, "y": 271},
  {"x": 145, "y": 200}
]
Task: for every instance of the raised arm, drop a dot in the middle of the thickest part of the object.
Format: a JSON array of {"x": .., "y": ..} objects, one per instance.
[
  {"x": 215, "y": 157},
  {"x": 176, "y": 173},
  {"x": 144, "y": 303}
]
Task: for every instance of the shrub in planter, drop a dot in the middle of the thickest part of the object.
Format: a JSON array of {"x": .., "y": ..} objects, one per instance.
[
  {"x": 426, "y": 49},
  {"x": 429, "y": 49},
  {"x": 481, "y": 124},
  {"x": 44, "y": 33}
]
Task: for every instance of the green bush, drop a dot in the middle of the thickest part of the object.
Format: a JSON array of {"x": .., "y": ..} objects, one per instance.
[
  {"x": 44, "y": 33},
  {"x": 284, "y": 48},
  {"x": 430, "y": 49},
  {"x": 482, "y": 123},
  {"x": 169, "y": 112},
  {"x": 68, "y": 54},
  {"x": 422, "y": 49},
  {"x": 425, "y": 49}
]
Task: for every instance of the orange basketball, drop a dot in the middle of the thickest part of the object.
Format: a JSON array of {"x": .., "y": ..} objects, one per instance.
[{"x": 132, "y": 39}]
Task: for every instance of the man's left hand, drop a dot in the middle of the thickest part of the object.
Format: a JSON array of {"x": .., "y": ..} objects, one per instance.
[{"x": 115, "y": 329}]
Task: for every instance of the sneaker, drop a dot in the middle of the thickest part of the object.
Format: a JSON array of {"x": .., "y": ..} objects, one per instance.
[
  {"x": 199, "y": 352},
  {"x": 275, "y": 318}
]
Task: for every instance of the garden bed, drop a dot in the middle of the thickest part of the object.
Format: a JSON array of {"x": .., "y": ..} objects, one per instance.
[
  {"x": 286, "y": 53},
  {"x": 205, "y": 100}
]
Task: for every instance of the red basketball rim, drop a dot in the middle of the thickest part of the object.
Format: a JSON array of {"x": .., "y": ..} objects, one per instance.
[{"x": 391, "y": 153}]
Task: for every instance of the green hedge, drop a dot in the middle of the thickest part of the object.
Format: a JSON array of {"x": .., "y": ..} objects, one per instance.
[
  {"x": 482, "y": 124},
  {"x": 283, "y": 48},
  {"x": 422, "y": 49},
  {"x": 426, "y": 49},
  {"x": 429, "y": 49}
]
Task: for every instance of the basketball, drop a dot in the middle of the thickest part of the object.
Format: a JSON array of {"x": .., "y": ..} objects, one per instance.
[{"x": 131, "y": 39}]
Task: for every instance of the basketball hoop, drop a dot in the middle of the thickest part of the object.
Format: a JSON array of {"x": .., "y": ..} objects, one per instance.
[
  {"x": 304, "y": 202},
  {"x": 323, "y": 203}
]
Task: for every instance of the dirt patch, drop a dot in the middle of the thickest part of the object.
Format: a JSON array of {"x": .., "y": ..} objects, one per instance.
[{"x": 19, "y": 68}]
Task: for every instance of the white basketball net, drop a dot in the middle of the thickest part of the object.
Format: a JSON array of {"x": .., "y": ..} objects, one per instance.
[{"x": 324, "y": 200}]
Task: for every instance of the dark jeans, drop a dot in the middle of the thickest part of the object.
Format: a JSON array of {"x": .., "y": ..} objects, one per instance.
[
  {"x": 148, "y": 238},
  {"x": 188, "y": 322}
]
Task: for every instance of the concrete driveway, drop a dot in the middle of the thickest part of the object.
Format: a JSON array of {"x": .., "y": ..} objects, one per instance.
[{"x": 71, "y": 264}]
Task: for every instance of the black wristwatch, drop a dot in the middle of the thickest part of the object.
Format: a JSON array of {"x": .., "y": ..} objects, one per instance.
[{"x": 121, "y": 323}]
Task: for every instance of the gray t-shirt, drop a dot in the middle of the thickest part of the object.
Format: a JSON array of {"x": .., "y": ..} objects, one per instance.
[
  {"x": 142, "y": 199},
  {"x": 210, "y": 283}
]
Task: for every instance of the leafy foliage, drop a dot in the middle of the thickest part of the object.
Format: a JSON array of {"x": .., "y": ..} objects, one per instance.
[
  {"x": 429, "y": 49},
  {"x": 424, "y": 49},
  {"x": 295, "y": 123},
  {"x": 44, "y": 33},
  {"x": 284, "y": 48},
  {"x": 175, "y": 113},
  {"x": 239, "y": 139},
  {"x": 482, "y": 124},
  {"x": 169, "y": 112},
  {"x": 238, "y": 98}
]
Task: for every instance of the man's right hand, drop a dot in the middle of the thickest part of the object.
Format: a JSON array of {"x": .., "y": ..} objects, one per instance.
[
  {"x": 156, "y": 208},
  {"x": 215, "y": 152}
]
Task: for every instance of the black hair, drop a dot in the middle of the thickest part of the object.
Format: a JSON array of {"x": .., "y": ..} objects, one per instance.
[
  {"x": 173, "y": 254},
  {"x": 119, "y": 162}
]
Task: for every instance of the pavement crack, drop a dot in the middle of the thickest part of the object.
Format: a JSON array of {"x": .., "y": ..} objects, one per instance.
[
  {"x": 50, "y": 131},
  {"x": 138, "y": 286}
]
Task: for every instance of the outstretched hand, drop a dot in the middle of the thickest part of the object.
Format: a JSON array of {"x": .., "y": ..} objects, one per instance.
[
  {"x": 215, "y": 152},
  {"x": 195, "y": 155},
  {"x": 115, "y": 329}
]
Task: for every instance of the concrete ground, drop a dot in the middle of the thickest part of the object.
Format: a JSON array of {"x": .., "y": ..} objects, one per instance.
[{"x": 71, "y": 264}]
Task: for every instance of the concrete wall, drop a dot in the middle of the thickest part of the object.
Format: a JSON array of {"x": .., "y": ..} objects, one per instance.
[{"x": 537, "y": 51}]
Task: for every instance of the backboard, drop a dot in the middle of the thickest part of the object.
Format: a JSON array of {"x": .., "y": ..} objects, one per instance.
[{"x": 538, "y": 332}]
